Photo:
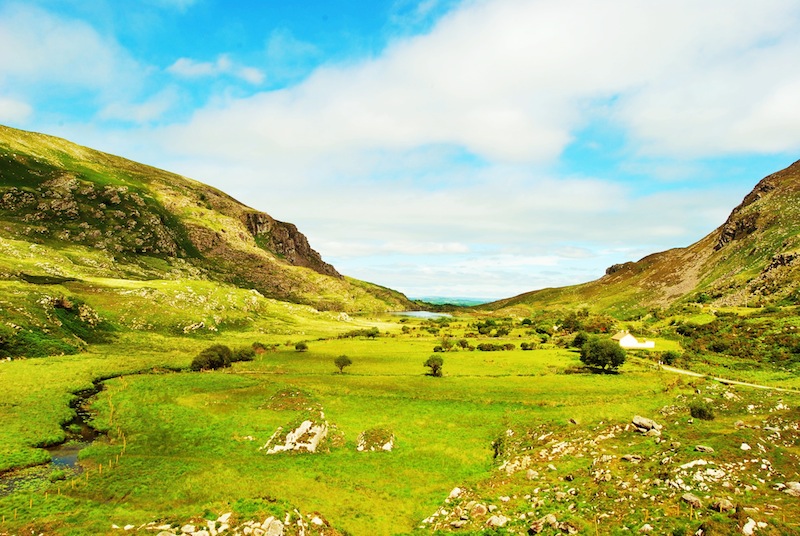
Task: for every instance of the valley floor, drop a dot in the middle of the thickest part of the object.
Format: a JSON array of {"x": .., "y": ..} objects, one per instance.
[{"x": 523, "y": 434}]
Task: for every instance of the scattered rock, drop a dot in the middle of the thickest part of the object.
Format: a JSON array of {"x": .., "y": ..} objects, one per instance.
[
  {"x": 275, "y": 528},
  {"x": 703, "y": 448},
  {"x": 479, "y": 510},
  {"x": 723, "y": 505},
  {"x": 691, "y": 500},
  {"x": 644, "y": 424},
  {"x": 793, "y": 489},
  {"x": 455, "y": 493},
  {"x": 497, "y": 521},
  {"x": 633, "y": 458},
  {"x": 745, "y": 446},
  {"x": 646, "y": 528},
  {"x": 749, "y": 528}
]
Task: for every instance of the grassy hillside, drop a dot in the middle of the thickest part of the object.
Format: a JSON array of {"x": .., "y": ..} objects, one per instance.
[
  {"x": 72, "y": 212},
  {"x": 752, "y": 259}
]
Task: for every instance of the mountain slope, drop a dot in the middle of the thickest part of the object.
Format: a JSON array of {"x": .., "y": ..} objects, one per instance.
[
  {"x": 125, "y": 220},
  {"x": 752, "y": 258}
]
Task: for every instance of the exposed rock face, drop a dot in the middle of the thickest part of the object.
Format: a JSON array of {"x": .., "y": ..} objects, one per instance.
[
  {"x": 740, "y": 225},
  {"x": 617, "y": 267},
  {"x": 286, "y": 241}
]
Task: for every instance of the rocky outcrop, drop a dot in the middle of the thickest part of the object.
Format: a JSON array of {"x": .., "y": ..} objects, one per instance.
[
  {"x": 375, "y": 440},
  {"x": 284, "y": 240},
  {"x": 307, "y": 437}
]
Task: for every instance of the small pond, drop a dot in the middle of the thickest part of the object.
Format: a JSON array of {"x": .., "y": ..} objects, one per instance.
[{"x": 423, "y": 314}]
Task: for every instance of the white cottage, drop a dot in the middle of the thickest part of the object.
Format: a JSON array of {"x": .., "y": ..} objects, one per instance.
[{"x": 626, "y": 340}]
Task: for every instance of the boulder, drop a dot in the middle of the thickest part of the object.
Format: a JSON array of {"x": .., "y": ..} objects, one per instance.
[
  {"x": 692, "y": 500},
  {"x": 478, "y": 510},
  {"x": 644, "y": 424},
  {"x": 633, "y": 458},
  {"x": 703, "y": 448},
  {"x": 723, "y": 505},
  {"x": 793, "y": 489},
  {"x": 497, "y": 521},
  {"x": 275, "y": 528}
]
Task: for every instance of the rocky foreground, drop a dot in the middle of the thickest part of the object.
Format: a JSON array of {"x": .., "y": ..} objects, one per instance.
[{"x": 669, "y": 474}]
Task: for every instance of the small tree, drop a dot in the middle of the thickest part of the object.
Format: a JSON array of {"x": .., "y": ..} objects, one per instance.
[
  {"x": 580, "y": 339},
  {"x": 435, "y": 363},
  {"x": 301, "y": 347},
  {"x": 602, "y": 353},
  {"x": 341, "y": 362}
]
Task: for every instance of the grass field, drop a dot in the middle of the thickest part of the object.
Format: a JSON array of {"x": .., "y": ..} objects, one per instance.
[{"x": 181, "y": 445}]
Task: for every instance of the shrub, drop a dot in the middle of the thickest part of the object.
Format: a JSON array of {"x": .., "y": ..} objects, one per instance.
[
  {"x": 245, "y": 353},
  {"x": 370, "y": 333},
  {"x": 212, "y": 358},
  {"x": 701, "y": 411},
  {"x": 602, "y": 353},
  {"x": 670, "y": 356},
  {"x": 580, "y": 339},
  {"x": 435, "y": 363},
  {"x": 341, "y": 362},
  {"x": 301, "y": 347}
]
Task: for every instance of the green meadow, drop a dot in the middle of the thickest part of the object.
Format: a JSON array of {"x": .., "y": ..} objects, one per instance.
[{"x": 180, "y": 444}]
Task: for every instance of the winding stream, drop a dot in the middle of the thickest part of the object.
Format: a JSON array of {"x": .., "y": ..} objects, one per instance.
[{"x": 64, "y": 456}]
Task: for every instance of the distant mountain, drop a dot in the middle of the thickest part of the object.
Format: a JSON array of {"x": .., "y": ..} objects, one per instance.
[
  {"x": 69, "y": 201},
  {"x": 753, "y": 258},
  {"x": 458, "y": 302}
]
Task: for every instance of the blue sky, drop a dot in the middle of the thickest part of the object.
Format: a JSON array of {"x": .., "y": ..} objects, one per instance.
[{"x": 475, "y": 148}]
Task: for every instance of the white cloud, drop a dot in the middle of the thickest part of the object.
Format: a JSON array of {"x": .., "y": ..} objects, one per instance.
[
  {"x": 444, "y": 147},
  {"x": 512, "y": 80},
  {"x": 223, "y": 65},
  {"x": 48, "y": 49},
  {"x": 150, "y": 110},
  {"x": 14, "y": 111}
]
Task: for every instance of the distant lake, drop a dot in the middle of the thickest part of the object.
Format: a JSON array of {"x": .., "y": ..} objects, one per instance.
[{"x": 423, "y": 314}]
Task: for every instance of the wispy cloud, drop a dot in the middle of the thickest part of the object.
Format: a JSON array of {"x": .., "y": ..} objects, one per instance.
[
  {"x": 14, "y": 111},
  {"x": 222, "y": 66}
]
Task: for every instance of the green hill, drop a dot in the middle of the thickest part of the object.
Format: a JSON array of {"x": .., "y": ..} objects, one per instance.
[
  {"x": 133, "y": 246},
  {"x": 752, "y": 259}
]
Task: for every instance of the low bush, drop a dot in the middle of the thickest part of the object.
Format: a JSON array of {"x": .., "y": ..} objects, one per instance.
[
  {"x": 244, "y": 353},
  {"x": 702, "y": 411},
  {"x": 214, "y": 357}
]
